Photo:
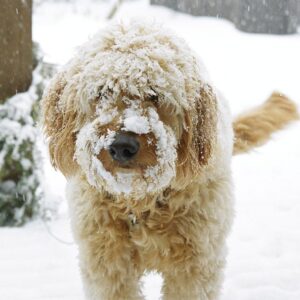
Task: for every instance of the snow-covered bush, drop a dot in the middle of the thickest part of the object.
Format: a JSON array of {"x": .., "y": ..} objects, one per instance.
[{"x": 20, "y": 159}]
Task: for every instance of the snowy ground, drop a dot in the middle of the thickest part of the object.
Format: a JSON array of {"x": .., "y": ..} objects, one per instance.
[{"x": 264, "y": 246}]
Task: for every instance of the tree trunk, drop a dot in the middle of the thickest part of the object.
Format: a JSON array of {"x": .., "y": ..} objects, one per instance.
[
  {"x": 20, "y": 188},
  {"x": 15, "y": 47}
]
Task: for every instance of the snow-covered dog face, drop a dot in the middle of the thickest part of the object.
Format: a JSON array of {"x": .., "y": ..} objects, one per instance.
[
  {"x": 132, "y": 112},
  {"x": 127, "y": 148}
]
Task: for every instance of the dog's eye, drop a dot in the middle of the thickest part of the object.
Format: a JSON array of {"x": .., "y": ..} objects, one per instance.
[
  {"x": 102, "y": 93},
  {"x": 153, "y": 98}
]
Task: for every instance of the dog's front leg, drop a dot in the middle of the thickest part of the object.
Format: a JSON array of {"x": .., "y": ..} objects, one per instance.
[
  {"x": 107, "y": 270},
  {"x": 195, "y": 281},
  {"x": 195, "y": 265},
  {"x": 108, "y": 263}
]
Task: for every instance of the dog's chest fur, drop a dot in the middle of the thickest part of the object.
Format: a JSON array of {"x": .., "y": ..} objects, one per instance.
[{"x": 155, "y": 237}]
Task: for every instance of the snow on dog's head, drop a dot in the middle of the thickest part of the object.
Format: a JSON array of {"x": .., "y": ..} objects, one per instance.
[{"x": 132, "y": 111}]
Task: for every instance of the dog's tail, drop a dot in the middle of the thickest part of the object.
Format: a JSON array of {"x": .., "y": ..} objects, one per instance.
[{"x": 255, "y": 127}]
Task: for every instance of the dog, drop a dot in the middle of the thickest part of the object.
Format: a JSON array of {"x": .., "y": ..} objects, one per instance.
[{"x": 145, "y": 142}]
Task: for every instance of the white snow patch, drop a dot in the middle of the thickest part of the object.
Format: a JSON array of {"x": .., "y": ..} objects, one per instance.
[
  {"x": 133, "y": 120},
  {"x": 136, "y": 124}
]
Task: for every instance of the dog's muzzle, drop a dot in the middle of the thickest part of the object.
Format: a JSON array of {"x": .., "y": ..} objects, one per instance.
[{"x": 124, "y": 148}]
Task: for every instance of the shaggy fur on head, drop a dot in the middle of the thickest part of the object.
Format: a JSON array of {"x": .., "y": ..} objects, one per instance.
[{"x": 170, "y": 208}]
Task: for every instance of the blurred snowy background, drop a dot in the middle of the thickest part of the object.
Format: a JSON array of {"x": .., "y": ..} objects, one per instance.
[{"x": 38, "y": 261}]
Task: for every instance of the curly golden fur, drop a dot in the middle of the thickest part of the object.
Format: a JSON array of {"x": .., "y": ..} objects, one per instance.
[
  {"x": 255, "y": 127},
  {"x": 178, "y": 221}
]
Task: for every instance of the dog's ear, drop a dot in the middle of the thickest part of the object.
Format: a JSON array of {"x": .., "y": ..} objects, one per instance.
[
  {"x": 199, "y": 135},
  {"x": 59, "y": 126},
  {"x": 205, "y": 123}
]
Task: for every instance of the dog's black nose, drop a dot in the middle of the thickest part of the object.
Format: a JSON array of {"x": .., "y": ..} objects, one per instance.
[{"x": 124, "y": 147}]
